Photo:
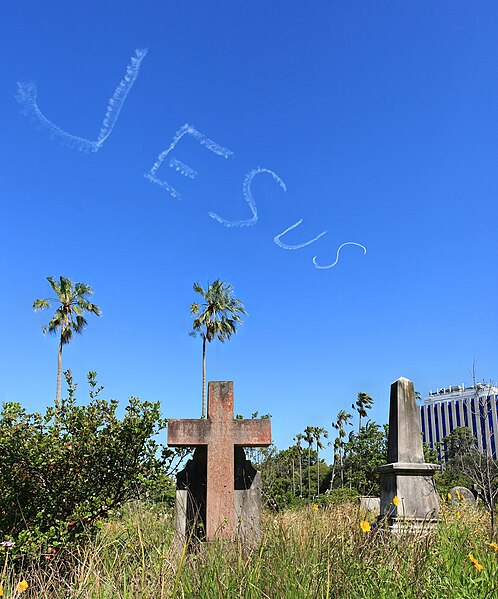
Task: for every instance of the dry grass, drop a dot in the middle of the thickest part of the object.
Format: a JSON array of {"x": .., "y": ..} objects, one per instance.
[{"x": 305, "y": 553}]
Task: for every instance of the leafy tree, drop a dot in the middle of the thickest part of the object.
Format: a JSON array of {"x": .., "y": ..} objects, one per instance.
[
  {"x": 364, "y": 452},
  {"x": 68, "y": 317},
  {"x": 363, "y": 403},
  {"x": 463, "y": 456},
  {"x": 64, "y": 470},
  {"x": 216, "y": 318}
]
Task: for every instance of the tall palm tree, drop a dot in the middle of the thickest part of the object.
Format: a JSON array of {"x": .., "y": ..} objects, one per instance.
[
  {"x": 337, "y": 444},
  {"x": 68, "y": 317},
  {"x": 309, "y": 438},
  {"x": 318, "y": 432},
  {"x": 342, "y": 420},
  {"x": 216, "y": 318},
  {"x": 299, "y": 437},
  {"x": 363, "y": 403}
]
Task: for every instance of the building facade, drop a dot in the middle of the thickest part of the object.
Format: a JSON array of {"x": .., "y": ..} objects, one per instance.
[{"x": 475, "y": 407}]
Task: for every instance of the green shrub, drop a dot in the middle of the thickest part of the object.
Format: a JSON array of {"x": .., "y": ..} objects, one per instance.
[
  {"x": 338, "y": 496},
  {"x": 62, "y": 472}
]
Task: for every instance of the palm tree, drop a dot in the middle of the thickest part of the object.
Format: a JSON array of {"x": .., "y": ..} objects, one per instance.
[
  {"x": 299, "y": 437},
  {"x": 337, "y": 445},
  {"x": 216, "y": 318},
  {"x": 309, "y": 438},
  {"x": 363, "y": 403},
  {"x": 342, "y": 420},
  {"x": 318, "y": 431},
  {"x": 68, "y": 317}
]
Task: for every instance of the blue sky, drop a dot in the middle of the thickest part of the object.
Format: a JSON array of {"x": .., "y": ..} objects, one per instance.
[{"x": 380, "y": 118}]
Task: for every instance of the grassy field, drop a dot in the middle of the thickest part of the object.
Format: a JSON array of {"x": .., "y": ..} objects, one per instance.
[{"x": 306, "y": 553}]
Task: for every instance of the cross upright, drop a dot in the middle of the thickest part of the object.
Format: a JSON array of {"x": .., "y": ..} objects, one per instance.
[{"x": 221, "y": 433}]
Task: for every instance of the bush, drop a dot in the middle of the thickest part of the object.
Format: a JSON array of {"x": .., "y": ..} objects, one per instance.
[
  {"x": 62, "y": 472},
  {"x": 339, "y": 496}
]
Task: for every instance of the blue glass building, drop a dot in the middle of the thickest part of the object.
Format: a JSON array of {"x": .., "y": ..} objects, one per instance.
[{"x": 475, "y": 407}]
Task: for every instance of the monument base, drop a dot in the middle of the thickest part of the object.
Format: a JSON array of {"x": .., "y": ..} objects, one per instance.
[
  {"x": 190, "y": 509},
  {"x": 416, "y": 497}
]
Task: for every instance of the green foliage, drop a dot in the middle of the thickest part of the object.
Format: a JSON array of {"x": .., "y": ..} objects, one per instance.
[
  {"x": 364, "y": 452},
  {"x": 338, "y": 496},
  {"x": 65, "y": 470},
  {"x": 74, "y": 303},
  {"x": 216, "y": 318}
]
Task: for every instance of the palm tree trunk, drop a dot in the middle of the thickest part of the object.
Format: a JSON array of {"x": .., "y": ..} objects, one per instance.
[
  {"x": 300, "y": 475},
  {"x": 342, "y": 467},
  {"x": 204, "y": 406},
  {"x": 317, "y": 471},
  {"x": 59, "y": 375},
  {"x": 309, "y": 471}
]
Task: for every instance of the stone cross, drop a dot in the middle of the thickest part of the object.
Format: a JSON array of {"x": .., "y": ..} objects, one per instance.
[{"x": 221, "y": 434}]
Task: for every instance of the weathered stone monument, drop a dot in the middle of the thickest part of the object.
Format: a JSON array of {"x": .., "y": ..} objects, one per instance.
[
  {"x": 461, "y": 494},
  {"x": 218, "y": 492},
  {"x": 408, "y": 498}
]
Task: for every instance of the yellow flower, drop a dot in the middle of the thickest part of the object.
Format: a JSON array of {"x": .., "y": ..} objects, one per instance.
[
  {"x": 21, "y": 586},
  {"x": 1, "y": 590},
  {"x": 458, "y": 494},
  {"x": 458, "y": 515},
  {"x": 449, "y": 496},
  {"x": 396, "y": 500},
  {"x": 315, "y": 507},
  {"x": 365, "y": 526},
  {"x": 477, "y": 565},
  {"x": 494, "y": 546}
]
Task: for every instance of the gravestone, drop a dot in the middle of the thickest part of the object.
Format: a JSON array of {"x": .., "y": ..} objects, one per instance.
[
  {"x": 461, "y": 494},
  {"x": 370, "y": 505},
  {"x": 406, "y": 480},
  {"x": 219, "y": 492}
]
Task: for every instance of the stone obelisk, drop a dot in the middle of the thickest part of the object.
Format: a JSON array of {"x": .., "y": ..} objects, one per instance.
[{"x": 408, "y": 499}]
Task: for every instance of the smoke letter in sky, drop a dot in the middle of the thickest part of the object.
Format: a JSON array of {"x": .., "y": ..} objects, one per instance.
[
  {"x": 337, "y": 256},
  {"x": 246, "y": 188},
  {"x": 285, "y": 246},
  {"x": 181, "y": 167},
  {"x": 27, "y": 98}
]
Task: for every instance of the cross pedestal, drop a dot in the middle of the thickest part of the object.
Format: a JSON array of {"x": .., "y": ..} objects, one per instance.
[{"x": 220, "y": 433}]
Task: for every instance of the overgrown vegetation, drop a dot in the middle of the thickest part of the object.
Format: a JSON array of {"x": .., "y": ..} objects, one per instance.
[
  {"x": 64, "y": 471},
  {"x": 308, "y": 553}
]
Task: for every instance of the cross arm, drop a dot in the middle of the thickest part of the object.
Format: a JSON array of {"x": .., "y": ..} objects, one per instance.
[
  {"x": 252, "y": 433},
  {"x": 188, "y": 432}
]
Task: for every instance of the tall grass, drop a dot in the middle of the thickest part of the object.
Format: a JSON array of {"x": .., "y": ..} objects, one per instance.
[{"x": 306, "y": 553}]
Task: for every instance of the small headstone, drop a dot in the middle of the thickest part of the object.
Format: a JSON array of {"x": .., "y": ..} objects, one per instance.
[
  {"x": 370, "y": 505},
  {"x": 461, "y": 494},
  {"x": 219, "y": 492},
  {"x": 408, "y": 497}
]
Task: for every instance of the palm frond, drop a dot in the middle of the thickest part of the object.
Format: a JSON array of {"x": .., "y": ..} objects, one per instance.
[{"x": 40, "y": 304}]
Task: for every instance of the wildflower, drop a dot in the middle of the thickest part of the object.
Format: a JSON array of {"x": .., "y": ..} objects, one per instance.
[
  {"x": 458, "y": 515},
  {"x": 21, "y": 586},
  {"x": 449, "y": 496},
  {"x": 396, "y": 500},
  {"x": 1, "y": 590},
  {"x": 315, "y": 507},
  {"x": 7, "y": 544},
  {"x": 477, "y": 565},
  {"x": 458, "y": 494},
  {"x": 365, "y": 526},
  {"x": 494, "y": 546}
]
